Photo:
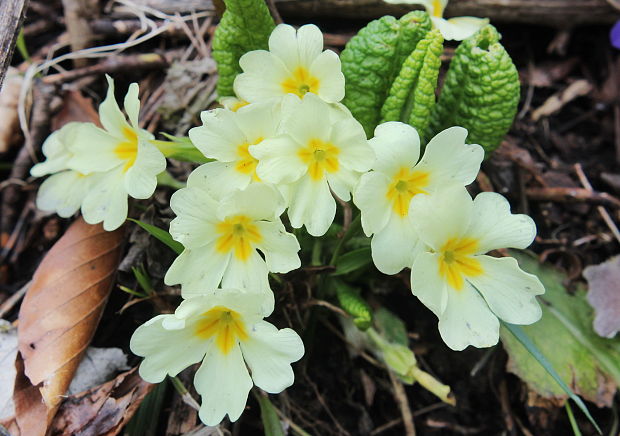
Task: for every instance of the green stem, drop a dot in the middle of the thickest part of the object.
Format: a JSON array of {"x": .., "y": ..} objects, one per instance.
[{"x": 354, "y": 227}]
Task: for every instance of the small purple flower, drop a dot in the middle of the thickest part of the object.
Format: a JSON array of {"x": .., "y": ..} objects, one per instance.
[{"x": 614, "y": 35}]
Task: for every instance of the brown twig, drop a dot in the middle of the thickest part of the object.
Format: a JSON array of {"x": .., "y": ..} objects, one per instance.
[
  {"x": 10, "y": 302},
  {"x": 572, "y": 195},
  {"x": 403, "y": 404},
  {"x": 111, "y": 64},
  {"x": 601, "y": 210}
]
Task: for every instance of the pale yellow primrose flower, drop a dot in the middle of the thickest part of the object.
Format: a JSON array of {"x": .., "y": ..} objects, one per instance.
[
  {"x": 458, "y": 28},
  {"x": 117, "y": 161},
  {"x": 225, "y": 330},
  {"x": 295, "y": 64},
  {"x": 64, "y": 191},
  {"x": 384, "y": 194},
  {"x": 232, "y": 103},
  {"x": 467, "y": 290},
  {"x": 226, "y": 137},
  {"x": 320, "y": 148},
  {"x": 222, "y": 234}
]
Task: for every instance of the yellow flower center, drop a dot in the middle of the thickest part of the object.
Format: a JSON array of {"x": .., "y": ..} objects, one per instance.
[
  {"x": 320, "y": 156},
  {"x": 301, "y": 82},
  {"x": 238, "y": 105},
  {"x": 456, "y": 261},
  {"x": 247, "y": 163},
  {"x": 127, "y": 150},
  {"x": 225, "y": 325},
  {"x": 405, "y": 184},
  {"x": 437, "y": 9},
  {"x": 237, "y": 234}
]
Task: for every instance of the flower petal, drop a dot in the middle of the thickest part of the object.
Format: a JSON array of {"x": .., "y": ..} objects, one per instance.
[
  {"x": 93, "y": 150},
  {"x": 262, "y": 77},
  {"x": 468, "y": 320},
  {"x": 165, "y": 351},
  {"x": 427, "y": 284},
  {"x": 449, "y": 160},
  {"x": 217, "y": 179},
  {"x": 395, "y": 246},
  {"x": 269, "y": 353},
  {"x": 442, "y": 215},
  {"x": 283, "y": 44},
  {"x": 278, "y": 161},
  {"x": 459, "y": 28},
  {"x": 198, "y": 271},
  {"x": 309, "y": 43},
  {"x": 223, "y": 383},
  {"x": 106, "y": 201},
  {"x": 219, "y": 136},
  {"x": 343, "y": 182},
  {"x": 141, "y": 177},
  {"x": 258, "y": 201},
  {"x": 56, "y": 150},
  {"x": 63, "y": 193},
  {"x": 132, "y": 104},
  {"x": 328, "y": 70},
  {"x": 308, "y": 120},
  {"x": 195, "y": 224},
  {"x": 312, "y": 205},
  {"x": 396, "y": 145},
  {"x": 371, "y": 198},
  {"x": 279, "y": 247},
  {"x": 495, "y": 227},
  {"x": 355, "y": 153},
  {"x": 509, "y": 291},
  {"x": 110, "y": 115}
]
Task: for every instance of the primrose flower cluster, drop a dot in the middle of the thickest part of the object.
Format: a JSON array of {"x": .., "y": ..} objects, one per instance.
[{"x": 286, "y": 145}]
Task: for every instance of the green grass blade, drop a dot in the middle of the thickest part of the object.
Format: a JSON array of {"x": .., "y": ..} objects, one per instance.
[
  {"x": 160, "y": 234},
  {"x": 271, "y": 422},
  {"x": 518, "y": 333}
]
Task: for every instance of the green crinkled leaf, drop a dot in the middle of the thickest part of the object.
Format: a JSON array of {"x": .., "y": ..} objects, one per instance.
[
  {"x": 587, "y": 363},
  {"x": 352, "y": 303},
  {"x": 245, "y": 26},
  {"x": 412, "y": 96},
  {"x": 481, "y": 91},
  {"x": 373, "y": 58}
]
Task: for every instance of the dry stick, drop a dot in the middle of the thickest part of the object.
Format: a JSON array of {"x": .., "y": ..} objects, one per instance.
[
  {"x": 403, "y": 404},
  {"x": 572, "y": 195},
  {"x": 11, "y": 16},
  {"x": 13, "y": 300},
  {"x": 601, "y": 210},
  {"x": 77, "y": 16},
  {"x": 111, "y": 65}
]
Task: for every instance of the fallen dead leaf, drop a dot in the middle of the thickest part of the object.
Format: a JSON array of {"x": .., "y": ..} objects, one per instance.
[
  {"x": 103, "y": 410},
  {"x": 557, "y": 101},
  {"x": 604, "y": 296},
  {"x": 75, "y": 107},
  {"x": 58, "y": 318}
]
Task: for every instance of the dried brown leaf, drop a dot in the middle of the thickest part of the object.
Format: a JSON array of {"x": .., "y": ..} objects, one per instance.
[
  {"x": 604, "y": 296},
  {"x": 75, "y": 107},
  {"x": 58, "y": 318},
  {"x": 103, "y": 410}
]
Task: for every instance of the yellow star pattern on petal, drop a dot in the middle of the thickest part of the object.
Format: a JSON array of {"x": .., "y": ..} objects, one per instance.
[
  {"x": 237, "y": 234},
  {"x": 405, "y": 184},
  {"x": 225, "y": 325},
  {"x": 456, "y": 261}
]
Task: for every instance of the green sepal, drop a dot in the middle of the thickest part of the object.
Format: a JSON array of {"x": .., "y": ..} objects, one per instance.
[
  {"x": 412, "y": 96},
  {"x": 352, "y": 303},
  {"x": 481, "y": 91},
  {"x": 245, "y": 26},
  {"x": 373, "y": 58}
]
